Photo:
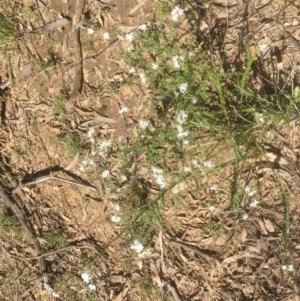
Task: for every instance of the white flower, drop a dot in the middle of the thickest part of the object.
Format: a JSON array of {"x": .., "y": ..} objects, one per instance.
[
  {"x": 181, "y": 133},
  {"x": 254, "y": 203},
  {"x": 120, "y": 37},
  {"x": 85, "y": 277},
  {"x": 143, "y": 78},
  {"x": 208, "y": 164},
  {"x": 91, "y": 162},
  {"x": 181, "y": 117},
  {"x": 123, "y": 178},
  {"x": 129, "y": 37},
  {"x": 284, "y": 267},
  {"x": 152, "y": 129},
  {"x": 290, "y": 268},
  {"x": 106, "y": 36},
  {"x": 117, "y": 207},
  {"x": 158, "y": 176},
  {"x": 156, "y": 170},
  {"x": 123, "y": 110},
  {"x": 105, "y": 174},
  {"x": 186, "y": 142},
  {"x": 143, "y": 27},
  {"x": 132, "y": 70},
  {"x": 195, "y": 163},
  {"x": 245, "y": 216},
  {"x": 176, "y": 63},
  {"x": 183, "y": 87},
  {"x": 115, "y": 219},
  {"x": 154, "y": 66},
  {"x": 176, "y": 13},
  {"x": 91, "y": 132},
  {"x": 90, "y": 31},
  {"x": 186, "y": 169},
  {"x": 251, "y": 193},
  {"x": 93, "y": 153},
  {"x": 81, "y": 168},
  {"x": 211, "y": 208},
  {"x": 104, "y": 144},
  {"x": 92, "y": 287},
  {"x": 262, "y": 47},
  {"x": 137, "y": 246},
  {"x": 247, "y": 189},
  {"x": 143, "y": 124},
  {"x": 85, "y": 162},
  {"x": 213, "y": 187},
  {"x": 194, "y": 100},
  {"x": 55, "y": 295}
]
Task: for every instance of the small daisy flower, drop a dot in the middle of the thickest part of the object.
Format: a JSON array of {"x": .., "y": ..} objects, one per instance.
[
  {"x": 284, "y": 267},
  {"x": 123, "y": 178},
  {"x": 194, "y": 100},
  {"x": 105, "y": 174},
  {"x": 154, "y": 66},
  {"x": 90, "y": 31},
  {"x": 213, "y": 187},
  {"x": 262, "y": 47},
  {"x": 176, "y": 63},
  {"x": 186, "y": 142},
  {"x": 55, "y": 295},
  {"x": 117, "y": 207},
  {"x": 143, "y": 27},
  {"x": 245, "y": 216},
  {"x": 252, "y": 193},
  {"x": 137, "y": 246},
  {"x": 143, "y": 78},
  {"x": 129, "y": 37},
  {"x": 85, "y": 277},
  {"x": 115, "y": 219},
  {"x": 211, "y": 208},
  {"x": 176, "y": 13},
  {"x": 85, "y": 162},
  {"x": 123, "y": 110},
  {"x": 143, "y": 124},
  {"x": 186, "y": 169},
  {"x": 132, "y": 70},
  {"x": 290, "y": 268},
  {"x": 181, "y": 133},
  {"x": 158, "y": 176},
  {"x": 195, "y": 163},
  {"x": 92, "y": 287},
  {"x": 120, "y": 37},
  {"x": 91, "y": 132},
  {"x": 247, "y": 189},
  {"x": 106, "y": 36},
  {"x": 181, "y": 117},
  {"x": 93, "y": 153},
  {"x": 254, "y": 203},
  {"x": 208, "y": 164},
  {"x": 183, "y": 87}
]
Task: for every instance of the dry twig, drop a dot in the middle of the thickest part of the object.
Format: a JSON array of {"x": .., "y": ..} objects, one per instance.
[{"x": 48, "y": 178}]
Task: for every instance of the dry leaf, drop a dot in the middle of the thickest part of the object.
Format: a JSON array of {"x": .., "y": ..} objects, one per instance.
[
  {"x": 73, "y": 163},
  {"x": 52, "y": 129},
  {"x": 122, "y": 295},
  {"x": 26, "y": 71},
  {"x": 243, "y": 235},
  {"x": 262, "y": 227},
  {"x": 154, "y": 274},
  {"x": 269, "y": 225},
  {"x": 134, "y": 9},
  {"x": 52, "y": 26}
]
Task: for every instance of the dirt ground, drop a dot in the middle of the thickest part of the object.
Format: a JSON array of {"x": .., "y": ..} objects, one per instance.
[{"x": 184, "y": 260}]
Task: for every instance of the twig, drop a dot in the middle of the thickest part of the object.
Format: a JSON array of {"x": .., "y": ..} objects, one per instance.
[
  {"x": 47, "y": 178},
  {"x": 50, "y": 252},
  {"x": 8, "y": 202}
]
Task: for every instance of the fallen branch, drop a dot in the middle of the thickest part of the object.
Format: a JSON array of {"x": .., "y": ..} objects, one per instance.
[
  {"x": 48, "y": 253},
  {"x": 48, "y": 178},
  {"x": 18, "y": 213}
]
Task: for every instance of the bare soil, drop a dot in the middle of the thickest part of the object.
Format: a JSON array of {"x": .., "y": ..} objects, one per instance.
[{"x": 197, "y": 255}]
